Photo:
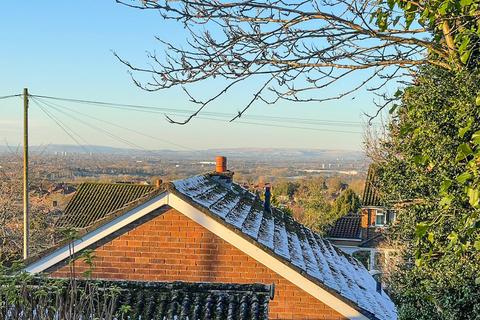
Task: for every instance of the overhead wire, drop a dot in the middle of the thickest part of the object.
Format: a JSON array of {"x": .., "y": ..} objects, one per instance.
[
  {"x": 257, "y": 120},
  {"x": 11, "y": 96},
  {"x": 164, "y": 110},
  {"x": 62, "y": 126},
  {"x": 108, "y": 133},
  {"x": 242, "y": 122},
  {"x": 156, "y": 110},
  {"x": 289, "y": 127},
  {"x": 53, "y": 111},
  {"x": 122, "y": 127}
]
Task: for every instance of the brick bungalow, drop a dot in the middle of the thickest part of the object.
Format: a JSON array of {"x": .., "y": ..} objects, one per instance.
[{"x": 208, "y": 229}]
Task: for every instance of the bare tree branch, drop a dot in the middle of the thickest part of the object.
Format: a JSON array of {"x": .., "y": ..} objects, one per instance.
[{"x": 291, "y": 47}]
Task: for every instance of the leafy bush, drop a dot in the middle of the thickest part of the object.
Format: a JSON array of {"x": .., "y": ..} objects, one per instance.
[{"x": 430, "y": 171}]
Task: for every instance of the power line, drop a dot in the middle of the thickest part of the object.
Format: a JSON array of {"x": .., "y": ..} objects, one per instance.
[
  {"x": 61, "y": 125},
  {"x": 164, "y": 110},
  {"x": 237, "y": 121},
  {"x": 257, "y": 120},
  {"x": 288, "y": 127},
  {"x": 11, "y": 96},
  {"x": 111, "y": 135},
  {"x": 122, "y": 127},
  {"x": 66, "y": 129},
  {"x": 156, "y": 110}
]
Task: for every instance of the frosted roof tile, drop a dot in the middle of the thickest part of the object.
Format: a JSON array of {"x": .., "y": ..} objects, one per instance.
[
  {"x": 295, "y": 250},
  {"x": 223, "y": 206},
  {"x": 251, "y": 225},
  {"x": 280, "y": 239},
  {"x": 308, "y": 255},
  {"x": 290, "y": 240},
  {"x": 210, "y": 197},
  {"x": 239, "y": 213},
  {"x": 265, "y": 235}
]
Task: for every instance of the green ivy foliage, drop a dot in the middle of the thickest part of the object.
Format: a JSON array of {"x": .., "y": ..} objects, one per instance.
[
  {"x": 430, "y": 172},
  {"x": 457, "y": 19}
]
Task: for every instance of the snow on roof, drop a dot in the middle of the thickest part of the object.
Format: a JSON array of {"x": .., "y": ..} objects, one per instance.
[{"x": 288, "y": 239}]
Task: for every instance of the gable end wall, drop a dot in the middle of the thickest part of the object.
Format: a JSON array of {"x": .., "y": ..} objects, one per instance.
[{"x": 171, "y": 247}]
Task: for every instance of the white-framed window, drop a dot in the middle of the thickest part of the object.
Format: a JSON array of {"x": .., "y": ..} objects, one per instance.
[{"x": 380, "y": 217}]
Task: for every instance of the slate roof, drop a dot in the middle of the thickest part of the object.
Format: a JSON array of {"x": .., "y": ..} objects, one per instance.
[
  {"x": 370, "y": 193},
  {"x": 346, "y": 227},
  {"x": 173, "y": 300},
  {"x": 288, "y": 240},
  {"x": 197, "y": 300},
  {"x": 93, "y": 201}
]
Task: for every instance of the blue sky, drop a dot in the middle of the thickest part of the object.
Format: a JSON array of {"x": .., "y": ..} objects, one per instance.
[{"x": 64, "y": 49}]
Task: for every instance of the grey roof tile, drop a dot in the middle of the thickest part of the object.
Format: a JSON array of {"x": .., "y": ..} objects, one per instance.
[
  {"x": 171, "y": 300},
  {"x": 252, "y": 222},
  {"x": 371, "y": 196},
  {"x": 290, "y": 241},
  {"x": 280, "y": 238},
  {"x": 94, "y": 201},
  {"x": 239, "y": 213},
  {"x": 346, "y": 227},
  {"x": 266, "y": 231}
]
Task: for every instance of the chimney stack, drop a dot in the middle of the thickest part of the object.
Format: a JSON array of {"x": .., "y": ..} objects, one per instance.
[
  {"x": 268, "y": 196},
  {"x": 221, "y": 164},
  {"x": 158, "y": 183}
]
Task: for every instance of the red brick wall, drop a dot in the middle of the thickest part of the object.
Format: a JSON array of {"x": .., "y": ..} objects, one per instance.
[
  {"x": 172, "y": 247},
  {"x": 368, "y": 217}
]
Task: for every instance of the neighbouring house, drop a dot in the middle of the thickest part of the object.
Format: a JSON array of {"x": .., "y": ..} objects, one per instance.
[
  {"x": 375, "y": 213},
  {"x": 208, "y": 229},
  {"x": 363, "y": 234}
]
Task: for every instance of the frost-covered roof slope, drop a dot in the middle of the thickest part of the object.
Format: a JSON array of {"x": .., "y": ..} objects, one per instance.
[{"x": 294, "y": 243}]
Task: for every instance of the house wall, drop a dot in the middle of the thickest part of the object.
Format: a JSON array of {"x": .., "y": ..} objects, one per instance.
[
  {"x": 368, "y": 217},
  {"x": 171, "y": 247}
]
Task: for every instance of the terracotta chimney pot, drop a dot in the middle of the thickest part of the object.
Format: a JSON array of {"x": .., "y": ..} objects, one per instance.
[{"x": 221, "y": 164}]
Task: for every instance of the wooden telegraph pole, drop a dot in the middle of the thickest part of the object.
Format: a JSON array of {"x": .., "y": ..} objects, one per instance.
[{"x": 26, "y": 213}]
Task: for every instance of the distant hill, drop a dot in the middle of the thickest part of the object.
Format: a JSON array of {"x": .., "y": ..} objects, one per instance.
[{"x": 259, "y": 154}]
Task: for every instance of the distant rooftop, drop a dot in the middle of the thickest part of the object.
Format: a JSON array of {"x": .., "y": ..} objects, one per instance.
[
  {"x": 371, "y": 195},
  {"x": 93, "y": 201},
  {"x": 346, "y": 227}
]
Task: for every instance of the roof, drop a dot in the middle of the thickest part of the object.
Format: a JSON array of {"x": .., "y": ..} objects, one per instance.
[
  {"x": 94, "y": 201},
  {"x": 179, "y": 300},
  {"x": 371, "y": 197},
  {"x": 346, "y": 227},
  {"x": 287, "y": 239},
  {"x": 275, "y": 233},
  {"x": 198, "y": 300}
]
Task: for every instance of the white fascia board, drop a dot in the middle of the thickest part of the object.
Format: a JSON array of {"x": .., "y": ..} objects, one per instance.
[
  {"x": 265, "y": 258},
  {"x": 90, "y": 238}
]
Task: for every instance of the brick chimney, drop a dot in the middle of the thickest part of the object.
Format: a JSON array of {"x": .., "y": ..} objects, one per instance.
[
  {"x": 221, "y": 164},
  {"x": 221, "y": 173},
  {"x": 268, "y": 197},
  {"x": 158, "y": 183}
]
